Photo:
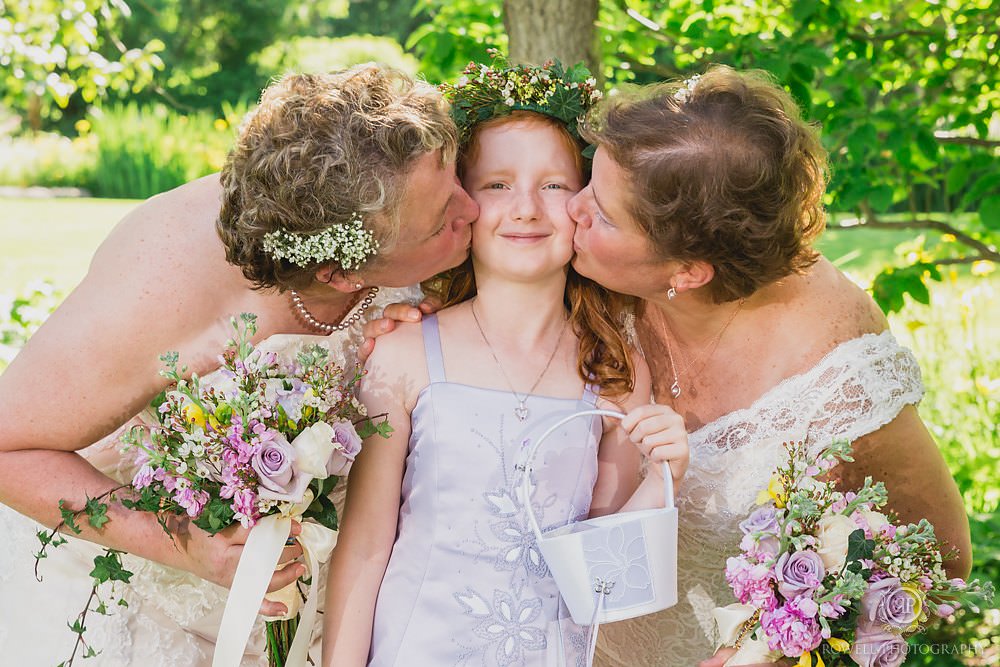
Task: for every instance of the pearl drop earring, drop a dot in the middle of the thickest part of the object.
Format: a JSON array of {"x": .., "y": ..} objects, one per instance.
[{"x": 671, "y": 294}]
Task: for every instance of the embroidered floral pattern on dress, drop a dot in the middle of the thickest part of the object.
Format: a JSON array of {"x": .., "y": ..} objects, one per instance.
[{"x": 506, "y": 624}]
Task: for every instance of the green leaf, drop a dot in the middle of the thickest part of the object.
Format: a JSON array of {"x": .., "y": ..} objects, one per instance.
[
  {"x": 880, "y": 197},
  {"x": 803, "y": 10},
  {"x": 957, "y": 177},
  {"x": 323, "y": 511},
  {"x": 216, "y": 516},
  {"x": 109, "y": 568},
  {"x": 859, "y": 547},
  {"x": 989, "y": 212},
  {"x": 97, "y": 513},
  {"x": 927, "y": 144},
  {"x": 68, "y": 517}
]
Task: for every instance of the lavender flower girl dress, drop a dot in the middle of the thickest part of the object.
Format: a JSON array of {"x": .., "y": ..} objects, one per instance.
[{"x": 465, "y": 583}]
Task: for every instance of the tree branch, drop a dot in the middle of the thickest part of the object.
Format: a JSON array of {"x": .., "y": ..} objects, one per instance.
[
  {"x": 985, "y": 251},
  {"x": 970, "y": 141}
]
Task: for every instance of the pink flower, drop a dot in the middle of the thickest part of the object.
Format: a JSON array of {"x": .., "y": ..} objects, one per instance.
[
  {"x": 143, "y": 478},
  {"x": 192, "y": 501},
  {"x": 944, "y": 610},
  {"x": 792, "y": 628},
  {"x": 751, "y": 582},
  {"x": 833, "y": 608}
]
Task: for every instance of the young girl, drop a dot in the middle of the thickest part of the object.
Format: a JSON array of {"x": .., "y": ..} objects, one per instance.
[{"x": 436, "y": 564}]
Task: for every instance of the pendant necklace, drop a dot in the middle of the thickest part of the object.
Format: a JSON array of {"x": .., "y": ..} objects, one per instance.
[
  {"x": 328, "y": 327},
  {"x": 706, "y": 353},
  {"x": 521, "y": 411}
]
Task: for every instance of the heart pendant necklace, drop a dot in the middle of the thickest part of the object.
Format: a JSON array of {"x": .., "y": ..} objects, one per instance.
[{"x": 521, "y": 411}]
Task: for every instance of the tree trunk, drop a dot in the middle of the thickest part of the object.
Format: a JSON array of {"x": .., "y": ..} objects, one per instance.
[{"x": 543, "y": 29}]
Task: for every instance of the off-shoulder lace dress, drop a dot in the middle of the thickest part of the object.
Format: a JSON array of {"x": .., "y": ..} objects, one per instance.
[
  {"x": 172, "y": 616},
  {"x": 858, "y": 387}
]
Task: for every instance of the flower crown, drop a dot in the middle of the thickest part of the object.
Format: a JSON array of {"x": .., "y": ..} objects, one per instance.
[
  {"x": 348, "y": 244},
  {"x": 485, "y": 91}
]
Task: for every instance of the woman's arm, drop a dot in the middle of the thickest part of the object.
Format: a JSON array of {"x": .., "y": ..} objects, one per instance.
[
  {"x": 368, "y": 530},
  {"x": 153, "y": 286},
  {"x": 904, "y": 456}
]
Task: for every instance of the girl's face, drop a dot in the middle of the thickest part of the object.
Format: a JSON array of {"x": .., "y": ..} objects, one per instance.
[
  {"x": 610, "y": 247},
  {"x": 522, "y": 177}
]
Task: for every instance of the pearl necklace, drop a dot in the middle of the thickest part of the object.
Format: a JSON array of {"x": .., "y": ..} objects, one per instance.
[{"x": 326, "y": 327}]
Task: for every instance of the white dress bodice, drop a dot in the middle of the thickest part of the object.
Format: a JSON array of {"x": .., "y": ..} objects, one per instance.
[
  {"x": 172, "y": 616},
  {"x": 857, "y": 388}
]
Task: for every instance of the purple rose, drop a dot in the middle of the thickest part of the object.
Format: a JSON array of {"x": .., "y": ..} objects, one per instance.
[
  {"x": 273, "y": 463},
  {"x": 347, "y": 445},
  {"x": 887, "y": 605},
  {"x": 761, "y": 520},
  {"x": 878, "y": 648},
  {"x": 799, "y": 573}
]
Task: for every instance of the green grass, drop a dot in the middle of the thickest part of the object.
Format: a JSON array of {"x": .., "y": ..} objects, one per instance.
[{"x": 53, "y": 239}]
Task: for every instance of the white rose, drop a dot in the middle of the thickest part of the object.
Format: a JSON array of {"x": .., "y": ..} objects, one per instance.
[
  {"x": 832, "y": 533},
  {"x": 313, "y": 448},
  {"x": 876, "y": 521}
]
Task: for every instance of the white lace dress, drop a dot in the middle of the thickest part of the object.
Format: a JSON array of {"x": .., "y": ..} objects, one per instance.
[
  {"x": 172, "y": 616},
  {"x": 858, "y": 387}
]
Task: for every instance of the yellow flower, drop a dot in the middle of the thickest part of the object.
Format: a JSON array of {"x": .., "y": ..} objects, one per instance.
[
  {"x": 220, "y": 124},
  {"x": 917, "y": 595},
  {"x": 839, "y": 645},
  {"x": 82, "y": 126},
  {"x": 807, "y": 660},
  {"x": 193, "y": 415},
  {"x": 948, "y": 238},
  {"x": 775, "y": 491}
]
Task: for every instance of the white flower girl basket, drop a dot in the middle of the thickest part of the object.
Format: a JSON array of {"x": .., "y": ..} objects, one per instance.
[{"x": 613, "y": 567}]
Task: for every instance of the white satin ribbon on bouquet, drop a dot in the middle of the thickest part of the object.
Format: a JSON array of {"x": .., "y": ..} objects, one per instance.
[
  {"x": 253, "y": 574},
  {"x": 731, "y": 620}
]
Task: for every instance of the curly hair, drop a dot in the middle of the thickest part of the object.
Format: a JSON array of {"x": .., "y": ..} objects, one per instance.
[
  {"x": 319, "y": 148},
  {"x": 595, "y": 312},
  {"x": 723, "y": 170}
]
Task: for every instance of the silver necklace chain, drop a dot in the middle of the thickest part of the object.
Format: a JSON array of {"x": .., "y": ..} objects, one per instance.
[
  {"x": 709, "y": 349},
  {"x": 328, "y": 327},
  {"x": 521, "y": 411}
]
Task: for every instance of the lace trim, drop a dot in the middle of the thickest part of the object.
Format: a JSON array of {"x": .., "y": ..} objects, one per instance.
[{"x": 857, "y": 388}]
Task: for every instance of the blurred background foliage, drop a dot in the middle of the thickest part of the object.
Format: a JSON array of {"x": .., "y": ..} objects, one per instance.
[{"x": 126, "y": 99}]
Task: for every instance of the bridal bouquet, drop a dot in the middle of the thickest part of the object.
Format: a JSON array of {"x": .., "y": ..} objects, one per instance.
[
  {"x": 824, "y": 577},
  {"x": 260, "y": 438}
]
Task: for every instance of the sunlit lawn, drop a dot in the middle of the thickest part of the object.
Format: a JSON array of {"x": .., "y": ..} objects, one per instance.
[{"x": 53, "y": 239}]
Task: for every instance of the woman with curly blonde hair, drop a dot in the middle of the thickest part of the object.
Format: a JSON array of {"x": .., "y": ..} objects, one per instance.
[{"x": 340, "y": 187}]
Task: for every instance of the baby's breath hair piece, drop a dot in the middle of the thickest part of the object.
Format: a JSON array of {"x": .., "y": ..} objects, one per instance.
[
  {"x": 348, "y": 244},
  {"x": 685, "y": 91},
  {"x": 485, "y": 91}
]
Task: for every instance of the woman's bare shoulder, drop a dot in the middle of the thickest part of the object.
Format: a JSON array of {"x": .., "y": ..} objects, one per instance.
[{"x": 837, "y": 307}]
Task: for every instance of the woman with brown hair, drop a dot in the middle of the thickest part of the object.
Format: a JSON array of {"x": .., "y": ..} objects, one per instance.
[{"x": 704, "y": 203}]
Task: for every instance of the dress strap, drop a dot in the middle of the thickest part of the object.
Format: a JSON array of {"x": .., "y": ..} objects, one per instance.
[
  {"x": 432, "y": 348},
  {"x": 590, "y": 392}
]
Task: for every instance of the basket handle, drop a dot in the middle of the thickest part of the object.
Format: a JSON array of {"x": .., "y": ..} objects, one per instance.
[{"x": 525, "y": 486}]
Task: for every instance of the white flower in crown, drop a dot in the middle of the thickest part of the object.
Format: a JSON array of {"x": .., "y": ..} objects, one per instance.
[
  {"x": 348, "y": 244},
  {"x": 685, "y": 91}
]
